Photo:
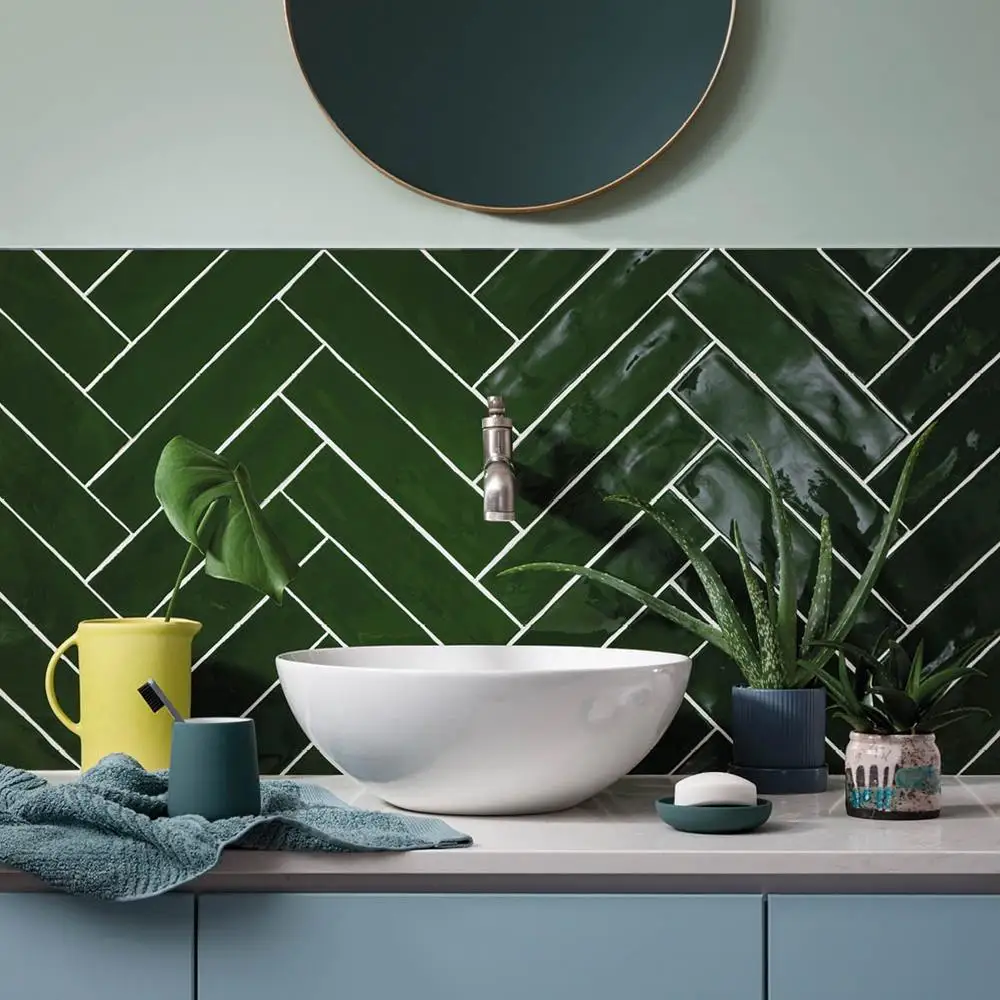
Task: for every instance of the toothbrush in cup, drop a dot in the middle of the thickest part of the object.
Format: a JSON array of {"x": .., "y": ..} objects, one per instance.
[{"x": 152, "y": 694}]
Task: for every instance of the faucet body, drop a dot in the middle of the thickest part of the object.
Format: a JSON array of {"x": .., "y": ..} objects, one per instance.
[{"x": 499, "y": 482}]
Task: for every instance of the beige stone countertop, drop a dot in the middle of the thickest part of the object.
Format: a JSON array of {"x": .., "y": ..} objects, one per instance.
[{"x": 615, "y": 842}]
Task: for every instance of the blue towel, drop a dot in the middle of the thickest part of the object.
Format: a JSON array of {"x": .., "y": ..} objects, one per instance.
[{"x": 108, "y": 835}]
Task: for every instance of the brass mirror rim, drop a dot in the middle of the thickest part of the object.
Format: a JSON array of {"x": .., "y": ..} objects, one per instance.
[{"x": 518, "y": 209}]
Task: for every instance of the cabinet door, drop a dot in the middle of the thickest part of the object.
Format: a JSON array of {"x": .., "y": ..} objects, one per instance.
[
  {"x": 487, "y": 947},
  {"x": 889, "y": 947},
  {"x": 56, "y": 946}
]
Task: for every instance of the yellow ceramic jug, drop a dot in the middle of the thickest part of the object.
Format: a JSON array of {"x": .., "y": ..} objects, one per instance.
[{"x": 117, "y": 656}]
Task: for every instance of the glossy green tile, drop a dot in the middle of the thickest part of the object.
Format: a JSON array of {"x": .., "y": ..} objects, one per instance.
[
  {"x": 737, "y": 410},
  {"x": 441, "y": 315},
  {"x": 965, "y": 435},
  {"x": 54, "y": 315},
  {"x": 312, "y": 762},
  {"x": 580, "y": 524},
  {"x": 946, "y": 358},
  {"x": 54, "y": 412},
  {"x": 442, "y": 501},
  {"x": 528, "y": 285},
  {"x": 146, "y": 282},
  {"x": 470, "y": 267},
  {"x": 21, "y": 745},
  {"x": 920, "y": 286},
  {"x": 52, "y": 502},
  {"x": 827, "y": 305},
  {"x": 279, "y": 736},
  {"x": 350, "y": 603},
  {"x": 713, "y": 677},
  {"x": 611, "y": 396},
  {"x": 211, "y": 408},
  {"x": 83, "y": 267},
  {"x": 714, "y": 755},
  {"x": 791, "y": 366},
  {"x": 453, "y": 607},
  {"x": 241, "y": 669},
  {"x": 576, "y": 334},
  {"x": 190, "y": 335},
  {"x": 865, "y": 266},
  {"x": 391, "y": 361},
  {"x": 687, "y": 730}
]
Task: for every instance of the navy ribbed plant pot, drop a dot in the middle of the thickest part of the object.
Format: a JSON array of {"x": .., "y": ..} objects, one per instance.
[{"x": 778, "y": 739}]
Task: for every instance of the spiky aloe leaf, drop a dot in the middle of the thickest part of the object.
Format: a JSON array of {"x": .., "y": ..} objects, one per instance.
[
  {"x": 785, "y": 623},
  {"x": 702, "y": 629},
  {"x": 741, "y": 647},
  {"x": 916, "y": 670},
  {"x": 863, "y": 588},
  {"x": 931, "y": 724},
  {"x": 819, "y": 608},
  {"x": 936, "y": 686},
  {"x": 773, "y": 672}
]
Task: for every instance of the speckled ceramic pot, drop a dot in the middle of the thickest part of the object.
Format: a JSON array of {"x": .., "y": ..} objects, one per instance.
[{"x": 892, "y": 777}]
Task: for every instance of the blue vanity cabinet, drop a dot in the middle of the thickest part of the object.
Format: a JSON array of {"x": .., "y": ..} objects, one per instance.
[
  {"x": 56, "y": 946},
  {"x": 486, "y": 947},
  {"x": 890, "y": 947}
]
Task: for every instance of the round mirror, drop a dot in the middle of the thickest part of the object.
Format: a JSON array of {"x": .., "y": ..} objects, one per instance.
[{"x": 510, "y": 105}]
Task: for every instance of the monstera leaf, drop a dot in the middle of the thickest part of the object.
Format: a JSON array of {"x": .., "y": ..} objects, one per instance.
[{"x": 210, "y": 503}]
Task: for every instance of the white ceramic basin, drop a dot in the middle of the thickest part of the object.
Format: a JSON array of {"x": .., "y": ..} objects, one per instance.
[{"x": 483, "y": 730}]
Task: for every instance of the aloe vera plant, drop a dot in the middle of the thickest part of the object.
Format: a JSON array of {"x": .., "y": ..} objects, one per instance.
[
  {"x": 210, "y": 503},
  {"x": 770, "y": 649},
  {"x": 891, "y": 693}
]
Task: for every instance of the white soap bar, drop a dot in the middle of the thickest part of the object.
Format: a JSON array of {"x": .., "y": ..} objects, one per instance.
[{"x": 715, "y": 788}]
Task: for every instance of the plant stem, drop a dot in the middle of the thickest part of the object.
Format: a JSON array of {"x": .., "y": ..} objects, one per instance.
[{"x": 192, "y": 548}]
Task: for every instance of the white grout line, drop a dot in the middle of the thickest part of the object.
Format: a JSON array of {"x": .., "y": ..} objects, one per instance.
[
  {"x": 889, "y": 269},
  {"x": 51, "y": 740},
  {"x": 709, "y": 735},
  {"x": 58, "y": 270},
  {"x": 575, "y": 382},
  {"x": 780, "y": 404},
  {"x": 296, "y": 758},
  {"x": 102, "y": 276},
  {"x": 482, "y": 306},
  {"x": 315, "y": 617},
  {"x": 430, "y": 351},
  {"x": 58, "y": 555},
  {"x": 548, "y": 312},
  {"x": 489, "y": 277},
  {"x": 946, "y": 499},
  {"x": 72, "y": 475},
  {"x": 409, "y": 423},
  {"x": 163, "y": 312},
  {"x": 208, "y": 364},
  {"x": 36, "y": 631},
  {"x": 599, "y": 457},
  {"x": 363, "y": 569},
  {"x": 62, "y": 371},
  {"x": 573, "y": 580},
  {"x": 947, "y": 592},
  {"x": 818, "y": 344},
  {"x": 412, "y": 522},
  {"x": 957, "y": 394},
  {"x": 906, "y": 348},
  {"x": 275, "y": 683},
  {"x": 796, "y": 514},
  {"x": 996, "y": 736},
  {"x": 870, "y": 299}
]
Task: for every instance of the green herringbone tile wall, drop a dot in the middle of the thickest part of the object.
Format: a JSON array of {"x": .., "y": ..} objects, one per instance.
[{"x": 352, "y": 383}]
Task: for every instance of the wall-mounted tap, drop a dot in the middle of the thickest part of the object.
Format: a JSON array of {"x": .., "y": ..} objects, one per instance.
[{"x": 499, "y": 482}]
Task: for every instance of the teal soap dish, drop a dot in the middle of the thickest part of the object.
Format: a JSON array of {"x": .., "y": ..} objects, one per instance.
[{"x": 713, "y": 819}]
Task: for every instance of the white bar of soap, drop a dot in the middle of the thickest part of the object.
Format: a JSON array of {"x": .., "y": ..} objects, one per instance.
[{"x": 715, "y": 788}]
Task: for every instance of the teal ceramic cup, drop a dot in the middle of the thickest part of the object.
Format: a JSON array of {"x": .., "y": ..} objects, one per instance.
[{"x": 213, "y": 769}]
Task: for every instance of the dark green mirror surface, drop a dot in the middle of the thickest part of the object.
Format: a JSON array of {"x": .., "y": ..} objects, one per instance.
[{"x": 509, "y": 105}]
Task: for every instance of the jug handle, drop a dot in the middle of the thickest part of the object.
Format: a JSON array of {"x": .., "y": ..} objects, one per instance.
[{"x": 50, "y": 686}]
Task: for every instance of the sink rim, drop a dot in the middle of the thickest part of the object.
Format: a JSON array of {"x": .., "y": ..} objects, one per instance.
[{"x": 626, "y": 660}]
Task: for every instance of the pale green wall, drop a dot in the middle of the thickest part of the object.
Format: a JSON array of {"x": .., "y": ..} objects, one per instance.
[{"x": 137, "y": 122}]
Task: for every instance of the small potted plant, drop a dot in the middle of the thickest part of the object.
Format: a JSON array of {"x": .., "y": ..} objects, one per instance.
[
  {"x": 779, "y": 718},
  {"x": 894, "y": 704}
]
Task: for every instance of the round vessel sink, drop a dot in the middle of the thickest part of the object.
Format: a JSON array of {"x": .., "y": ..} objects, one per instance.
[{"x": 483, "y": 730}]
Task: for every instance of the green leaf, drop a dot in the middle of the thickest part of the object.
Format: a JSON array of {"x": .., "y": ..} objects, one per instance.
[
  {"x": 741, "y": 647},
  {"x": 933, "y": 723},
  {"x": 786, "y": 624},
  {"x": 703, "y": 630},
  {"x": 936, "y": 686},
  {"x": 900, "y": 707},
  {"x": 819, "y": 608},
  {"x": 899, "y": 665},
  {"x": 236, "y": 540},
  {"x": 772, "y": 669},
  {"x": 846, "y": 682},
  {"x": 862, "y": 590},
  {"x": 916, "y": 670}
]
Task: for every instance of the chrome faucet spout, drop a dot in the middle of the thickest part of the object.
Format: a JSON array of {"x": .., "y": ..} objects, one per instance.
[{"x": 499, "y": 481}]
